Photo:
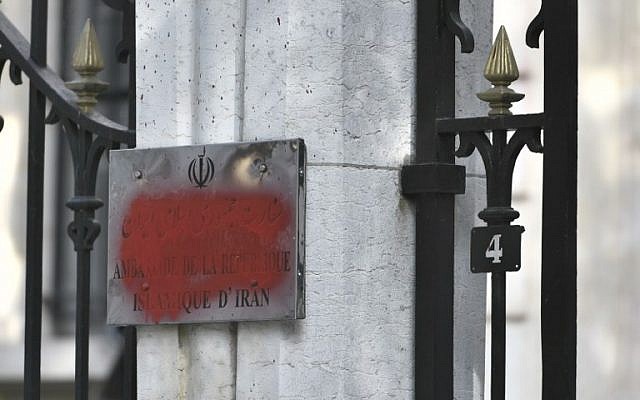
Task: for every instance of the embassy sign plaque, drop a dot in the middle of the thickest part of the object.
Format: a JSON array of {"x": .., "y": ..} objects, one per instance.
[{"x": 206, "y": 233}]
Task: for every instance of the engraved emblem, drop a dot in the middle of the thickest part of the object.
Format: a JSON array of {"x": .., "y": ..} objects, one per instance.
[{"x": 201, "y": 170}]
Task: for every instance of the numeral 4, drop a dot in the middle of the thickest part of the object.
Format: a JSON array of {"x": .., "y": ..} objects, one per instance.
[{"x": 494, "y": 250}]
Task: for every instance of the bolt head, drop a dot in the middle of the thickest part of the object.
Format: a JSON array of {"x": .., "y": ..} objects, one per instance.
[{"x": 137, "y": 174}]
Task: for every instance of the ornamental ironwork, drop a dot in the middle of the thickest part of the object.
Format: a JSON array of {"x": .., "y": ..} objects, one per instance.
[
  {"x": 434, "y": 179},
  {"x": 89, "y": 134}
]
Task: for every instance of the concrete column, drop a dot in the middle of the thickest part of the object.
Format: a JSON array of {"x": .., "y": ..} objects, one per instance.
[
  {"x": 339, "y": 74},
  {"x": 190, "y": 61}
]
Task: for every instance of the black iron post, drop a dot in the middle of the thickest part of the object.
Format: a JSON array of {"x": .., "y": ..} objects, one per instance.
[
  {"x": 83, "y": 230},
  {"x": 498, "y": 279},
  {"x": 559, "y": 199},
  {"x": 87, "y": 151},
  {"x": 433, "y": 181},
  {"x": 127, "y": 52},
  {"x": 35, "y": 194},
  {"x": 434, "y": 211}
]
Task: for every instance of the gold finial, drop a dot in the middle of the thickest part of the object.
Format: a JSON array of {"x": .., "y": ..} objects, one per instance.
[
  {"x": 501, "y": 70},
  {"x": 87, "y": 62}
]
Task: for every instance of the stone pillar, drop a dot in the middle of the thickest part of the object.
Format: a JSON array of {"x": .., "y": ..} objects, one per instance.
[
  {"x": 340, "y": 75},
  {"x": 190, "y": 60}
]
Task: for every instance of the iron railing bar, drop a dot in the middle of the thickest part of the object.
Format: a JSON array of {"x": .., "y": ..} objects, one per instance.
[
  {"x": 435, "y": 97},
  {"x": 35, "y": 200},
  {"x": 129, "y": 386},
  {"x": 130, "y": 335},
  {"x": 559, "y": 198},
  {"x": 82, "y": 324},
  {"x": 62, "y": 161},
  {"x": 498, "y": 279},
  {"x": 498, "y": 334}
]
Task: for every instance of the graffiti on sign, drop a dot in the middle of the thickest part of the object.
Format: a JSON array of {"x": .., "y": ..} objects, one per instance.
[{"x": 209, "y": 248}]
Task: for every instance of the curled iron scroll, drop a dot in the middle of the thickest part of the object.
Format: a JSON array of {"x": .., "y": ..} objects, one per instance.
[
  {"x": 470, "y": 141},
  {"x": 530, "y": 137},
  {"x": 15, "y": 74},
  {"x": 455, "y": 25},
  {"x": 126, "y": 46},
  {"x": 535, "y": 30}
]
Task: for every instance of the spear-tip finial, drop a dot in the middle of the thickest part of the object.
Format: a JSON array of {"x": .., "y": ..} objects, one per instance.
[
  {"x": 501, "y": 70},
  {"x": 87, "y": 62}
]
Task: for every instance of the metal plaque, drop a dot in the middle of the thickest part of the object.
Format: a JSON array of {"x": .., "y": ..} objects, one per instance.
[
  {"x": 206, "y": 233},
  {"x": 496, "y": 248}
]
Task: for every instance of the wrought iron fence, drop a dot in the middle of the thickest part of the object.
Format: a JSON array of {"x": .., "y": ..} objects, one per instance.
[
  {"x": 434, "y": 180},
  {"x": 89, "y": 135}
]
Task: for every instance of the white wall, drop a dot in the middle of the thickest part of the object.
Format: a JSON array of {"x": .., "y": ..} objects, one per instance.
[{"x": 339, "y": 74}]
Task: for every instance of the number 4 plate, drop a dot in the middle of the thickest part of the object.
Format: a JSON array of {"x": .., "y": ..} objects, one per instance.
[{"x": 496, "y": 248}]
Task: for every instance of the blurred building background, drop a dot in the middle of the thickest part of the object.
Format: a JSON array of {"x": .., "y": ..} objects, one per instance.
[{"x": 608, "y": 216}]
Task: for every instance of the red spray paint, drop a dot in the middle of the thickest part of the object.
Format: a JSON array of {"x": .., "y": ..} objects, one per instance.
[{"x": 188, "y": 247}]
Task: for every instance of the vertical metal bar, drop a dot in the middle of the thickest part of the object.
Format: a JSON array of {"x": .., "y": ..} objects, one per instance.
[
  {"x": 559, "y": 200},
  {"x": 130, "y": 363},
  {"x": 498, "y": 334},
  {"x": 62, "y": 303},
  {"x": 435, "y": 93},
  {"x": 35, "y": 194},
  {"x": 39, "y": 13},
  {"x": 130, "y": 336},
  {"x": 129, "y": 18},
  {"x": 435, "y": 83},
  {"x": 498, "y": 195},
  {"x": 83, "y": 230},
  {"x": 82, "y": 324},
  {"x": 83, "y": 280}
]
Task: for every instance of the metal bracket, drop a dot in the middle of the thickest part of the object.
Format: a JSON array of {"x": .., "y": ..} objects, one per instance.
[
  {"x": 455, "y": 25},
  {"x": 433, "y": 178},
  {"x": 535, "y": 30}
]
